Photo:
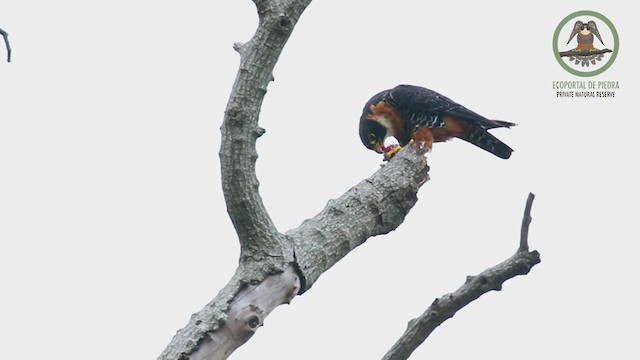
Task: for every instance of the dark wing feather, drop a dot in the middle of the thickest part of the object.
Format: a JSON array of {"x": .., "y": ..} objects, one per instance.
[
  {"x": 425, "y": 107},
  {"x": 594, "y": 30},
  {"x": 576, "y": 29},
  {"x": 477, "y": 119},
  {"x": 419, "y": 106}
]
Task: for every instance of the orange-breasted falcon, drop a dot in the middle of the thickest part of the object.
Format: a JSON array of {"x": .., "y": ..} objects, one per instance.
[{"x": 409, "y": 112}]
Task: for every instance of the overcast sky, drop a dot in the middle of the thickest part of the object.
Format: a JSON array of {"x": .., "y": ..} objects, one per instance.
[{"x": 113, "y": 228}]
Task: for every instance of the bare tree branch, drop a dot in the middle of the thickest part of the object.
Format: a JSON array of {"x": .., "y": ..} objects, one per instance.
[
  {"x": 446, "y": 306},
  {"x": 274, "y": 267},
  {"x": 375, "y": 206},
  {"x": 264, "y": 251},
  {"x": 259, "y": 239},
  {"x": 268, "y": 258},
  {"x": 5, "y": 35},
  {"x": 246, "y": 314},
  {"x": 526, "y": 220}
]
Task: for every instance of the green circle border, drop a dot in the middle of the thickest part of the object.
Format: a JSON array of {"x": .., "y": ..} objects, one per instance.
[{"x": 604, "y": 19}]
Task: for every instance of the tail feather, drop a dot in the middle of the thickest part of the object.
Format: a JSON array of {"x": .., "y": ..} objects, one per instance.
[
  {"x": 484, "y": 140},
  {"x": 499, "y": 123}
]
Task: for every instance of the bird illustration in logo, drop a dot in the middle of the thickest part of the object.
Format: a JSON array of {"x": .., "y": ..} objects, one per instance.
[
  {"x": 585, "y": 53},
  {"x": 585, "y": 33}
]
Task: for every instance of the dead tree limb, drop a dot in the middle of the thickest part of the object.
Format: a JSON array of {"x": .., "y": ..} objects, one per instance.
[
  {"x": 5, "y": 35},
  {"x": 375, "y": 206},
  {"x": 274, "y": 267},
  {"x": 446, "y": 306}
]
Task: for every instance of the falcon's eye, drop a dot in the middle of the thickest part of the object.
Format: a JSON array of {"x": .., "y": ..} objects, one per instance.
[{"x": 372, "y": 138}]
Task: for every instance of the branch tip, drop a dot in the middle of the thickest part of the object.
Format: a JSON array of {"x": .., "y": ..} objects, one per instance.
[
  {"x": 5, "y": 35},
  {"x": 445, "y": 307},
  {"x": 526, "y": 220}
]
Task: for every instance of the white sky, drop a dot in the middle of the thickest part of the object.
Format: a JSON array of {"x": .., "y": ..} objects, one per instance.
[{"x": 113, "y": 229}]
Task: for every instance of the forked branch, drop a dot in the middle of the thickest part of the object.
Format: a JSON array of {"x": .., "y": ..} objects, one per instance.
[
  {"x": 446, "y": 306},
  {"x": 274, "y": 267}
]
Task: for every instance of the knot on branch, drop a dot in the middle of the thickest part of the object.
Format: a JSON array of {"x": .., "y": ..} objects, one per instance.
[
  {"x": 234, "y": 116},
  {"x": 284, "y": 24},
  {"x": 527, "y": 260},
  {"x": 250, "y": 320},
  {"x": 237, "y": 46},
  {"x": 259, "y": 132}
]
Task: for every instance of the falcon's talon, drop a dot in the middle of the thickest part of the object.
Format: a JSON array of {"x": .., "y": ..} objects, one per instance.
[
  {"x": 388, "y": 154},
  {"x": 389, "y": 148}
]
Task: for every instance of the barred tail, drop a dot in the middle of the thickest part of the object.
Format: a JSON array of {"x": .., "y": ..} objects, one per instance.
[{"x": 482, "y": 139}]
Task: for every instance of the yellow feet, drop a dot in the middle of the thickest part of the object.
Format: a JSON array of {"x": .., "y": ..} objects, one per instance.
[
  {"x": 391, "y": 150},
  {"x": 388, "y": 154}
]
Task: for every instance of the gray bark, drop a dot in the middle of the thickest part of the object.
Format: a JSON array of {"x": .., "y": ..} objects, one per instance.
[{"x": 375, "y": 206}]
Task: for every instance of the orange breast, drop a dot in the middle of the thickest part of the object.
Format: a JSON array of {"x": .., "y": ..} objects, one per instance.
[{"x": 387, "y": 116}]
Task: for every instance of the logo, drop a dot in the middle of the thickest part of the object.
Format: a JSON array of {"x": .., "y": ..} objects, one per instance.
[{"x": 592, "y": 44}]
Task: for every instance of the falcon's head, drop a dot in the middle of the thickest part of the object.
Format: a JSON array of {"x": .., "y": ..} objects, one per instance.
[
  {"x": 372, "y": 134},
  {"x": 373, "y": 128}
]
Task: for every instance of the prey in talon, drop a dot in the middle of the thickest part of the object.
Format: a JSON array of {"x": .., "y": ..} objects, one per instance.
[
  {"x": 389, "y": 151},
  {"x": 413, "y": 113}
]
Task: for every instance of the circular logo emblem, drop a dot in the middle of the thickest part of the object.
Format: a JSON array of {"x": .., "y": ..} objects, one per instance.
[{"x": 585, "y": 43}]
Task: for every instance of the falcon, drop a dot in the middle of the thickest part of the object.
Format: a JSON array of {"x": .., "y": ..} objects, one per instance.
[{"x": 413, "y": 113}]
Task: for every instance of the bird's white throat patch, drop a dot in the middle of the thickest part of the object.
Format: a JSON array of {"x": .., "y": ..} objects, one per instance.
[{"x": 386, "y": 122}]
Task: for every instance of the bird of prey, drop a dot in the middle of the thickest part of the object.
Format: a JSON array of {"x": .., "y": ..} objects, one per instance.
[
  {"x": 585, "y": 34},
  {"x": 409, "y": 112}
]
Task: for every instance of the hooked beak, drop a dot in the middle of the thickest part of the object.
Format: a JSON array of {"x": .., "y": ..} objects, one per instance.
[{"x": 379, "y": 148}]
